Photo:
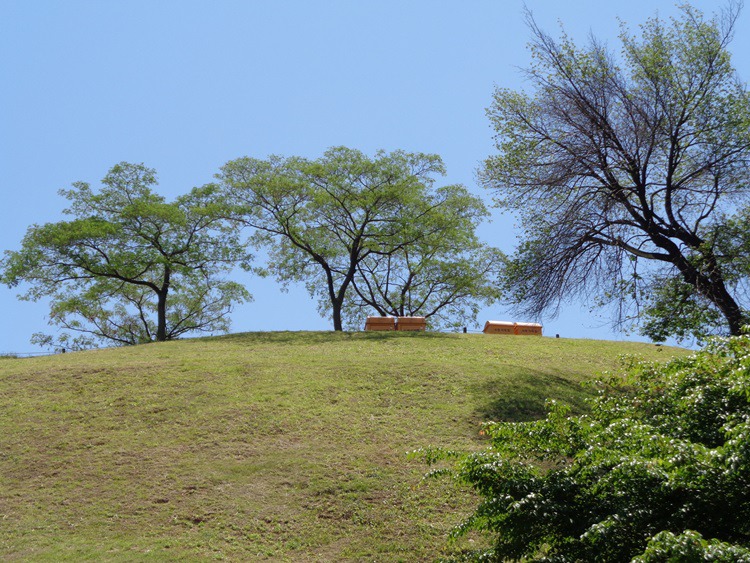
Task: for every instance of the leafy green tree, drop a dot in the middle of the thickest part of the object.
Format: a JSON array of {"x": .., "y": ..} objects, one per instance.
[
  {"x": 661, "y": 462},
  {"x": 339, "y": 218},
  {"x": 626, "y": 171},
  {"x": 130, "y": 267},
  {"x": 445, "y": 275}
]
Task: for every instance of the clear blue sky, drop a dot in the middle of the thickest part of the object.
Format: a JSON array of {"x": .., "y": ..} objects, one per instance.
[{"x": 185, "y": 85}]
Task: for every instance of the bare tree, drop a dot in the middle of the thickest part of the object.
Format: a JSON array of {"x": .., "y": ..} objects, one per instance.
[{"x": 624, "y": 171}]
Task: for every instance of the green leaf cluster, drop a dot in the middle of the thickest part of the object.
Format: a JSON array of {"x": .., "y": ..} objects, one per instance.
[
  {"x": 366, "y": 233},
  {"x": 661, "y": 462},
  {"x": 130, "y": 267}
]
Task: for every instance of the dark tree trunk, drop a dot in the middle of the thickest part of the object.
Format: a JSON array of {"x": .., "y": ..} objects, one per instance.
[
  {"x": 718, "y": 294},
  {"x": 337, "y": 317},
  {"x": 161, "y": 308},
  {"x": 337, "y": 297},
  {"x": 713, "y": 288},
  {"x": 732, "y": 313}
]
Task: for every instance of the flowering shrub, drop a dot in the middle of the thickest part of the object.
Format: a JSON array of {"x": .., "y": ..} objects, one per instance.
[
  {"x": 690, "y": 546},
  {"x": 661, "y": 462}
]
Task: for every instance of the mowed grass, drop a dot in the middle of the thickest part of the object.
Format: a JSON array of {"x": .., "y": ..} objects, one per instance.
[{"x": 264, "y": 446}]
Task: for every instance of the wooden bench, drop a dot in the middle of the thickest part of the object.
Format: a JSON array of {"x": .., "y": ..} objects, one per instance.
[
  {"x": 528, "y": 329},
  {"x": 499, "y": 327},
  {"x": 411, "y": 323},
  {"x": 380, "y": 323},
  {"x": 517, "y": 329}
]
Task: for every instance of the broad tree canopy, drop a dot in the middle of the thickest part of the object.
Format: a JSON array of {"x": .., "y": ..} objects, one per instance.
[
  {"x": 446, "y": 275},
  {"x": 625, "y": 172},
  {"x": 130, "y": 267},
  {"x": 330, "y": 220}
]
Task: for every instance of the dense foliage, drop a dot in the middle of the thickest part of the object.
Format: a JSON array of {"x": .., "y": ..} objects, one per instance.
[{"x": 659, "y": 469}]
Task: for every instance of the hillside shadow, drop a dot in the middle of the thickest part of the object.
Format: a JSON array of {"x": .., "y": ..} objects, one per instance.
[{"x": 521, "y": 396}]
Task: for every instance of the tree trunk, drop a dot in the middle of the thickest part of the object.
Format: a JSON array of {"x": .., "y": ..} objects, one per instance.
[
  {"x": 728, "y": 307},
  {"x": 337, "y": 317},
  {"x": 712, "y": 287},
  {"x": 161, "y": 308}
]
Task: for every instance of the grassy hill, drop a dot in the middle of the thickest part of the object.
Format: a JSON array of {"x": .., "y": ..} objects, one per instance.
[{"x": 263, "y": 446}]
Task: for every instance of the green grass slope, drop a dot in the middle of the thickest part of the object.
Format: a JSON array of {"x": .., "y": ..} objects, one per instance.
[{"x": 264, "y": 446}]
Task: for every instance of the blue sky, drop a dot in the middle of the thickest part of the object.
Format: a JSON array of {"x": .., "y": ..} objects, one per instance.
[{"x": 184, "y": 86}]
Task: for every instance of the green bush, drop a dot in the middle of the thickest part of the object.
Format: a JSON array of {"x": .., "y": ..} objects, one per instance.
[
  {"x": 661, "y": 462},
  {"x": 690, "y": 546}
]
